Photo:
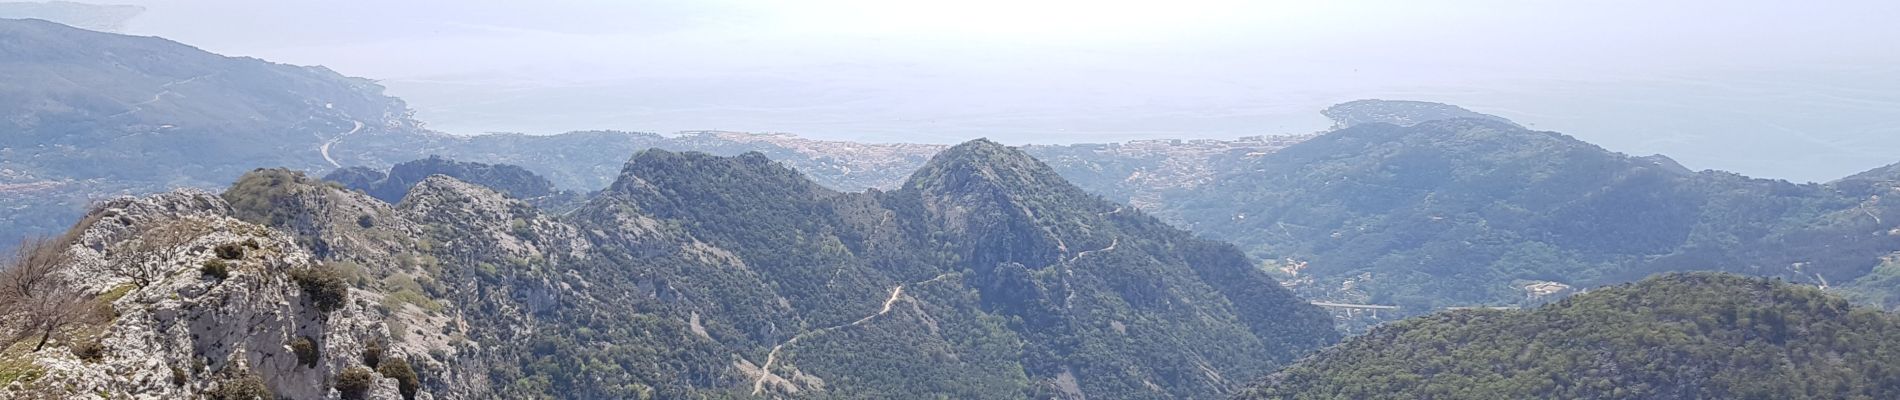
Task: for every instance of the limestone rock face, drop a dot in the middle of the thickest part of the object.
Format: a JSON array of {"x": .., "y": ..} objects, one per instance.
[{"x": 186, "y": 332}]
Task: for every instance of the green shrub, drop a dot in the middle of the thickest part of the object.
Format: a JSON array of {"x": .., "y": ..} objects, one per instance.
[
  {"x": 373, "y": 354},
  {"x": 230, "y": 251},
  {"x": 324, "y": 286},
  {"x": 355, "y": 383},
  {"x": 216, "y": 269},
  {"x": 306, "y": 351},
  {"x": 406, "y": 380},
  {"x": 243, "y": 385},
  {"x": 178, "y": 376},
  {"x": 89, "y": 350}
]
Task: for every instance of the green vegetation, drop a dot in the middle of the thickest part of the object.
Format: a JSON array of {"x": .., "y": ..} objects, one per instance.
[
  {"x": 390, "y": 187},
  {"x": 373, "y": 353},
  {"x": 306, "y": 351},
  {"x": 1463, "y": 212},
  {"x": 324, "y": 286},
  {"x": 406, "y": 380},
  {"x": 89, "y": 350},
  {"x": 1881, "y": 287},
  {"x": 691, "y": 272},
  {"x": 1678, "y": 336},
  {"x": 215, "y": 269},
  {"x": 401, "y": 288},
  {"x": 1020, "y": 287},
  {"x": 240, "y": 385},
  {"x": 17, "y": 366},
  {"x": 230, "y": 251},
  {"x": 269, "y": 196},
  {"x": 355, "y": 383}
]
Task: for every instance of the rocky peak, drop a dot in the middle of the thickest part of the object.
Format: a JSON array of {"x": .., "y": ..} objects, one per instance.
[
  {"x": 984, "y": 165},
  {"x": 319, "y": 213},
  {"x": 661, "y": 180},
  {"x": 657, "y": 164}
]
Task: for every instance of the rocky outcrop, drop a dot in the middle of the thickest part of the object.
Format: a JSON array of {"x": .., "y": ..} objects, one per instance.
[{"x": 188, "y": 331}]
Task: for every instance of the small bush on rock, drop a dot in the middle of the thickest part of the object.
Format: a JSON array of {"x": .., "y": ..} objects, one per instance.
[
  {"x": 90, "y": 350},
  {"x": 306, "y": 351},
  {"x": 215, "y": 269},
  {"x": 325, "y": 287},
  {"x": 241, "y": 386},
  {"x": 355, "y": 383},
  {"x": 230, "y": 251},
  {"x": 406, "y": 380},
  {"x": 373, "y": 353}
]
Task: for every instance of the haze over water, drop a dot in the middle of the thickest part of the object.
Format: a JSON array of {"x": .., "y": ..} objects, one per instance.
[{"x": 1806, "y": 95}]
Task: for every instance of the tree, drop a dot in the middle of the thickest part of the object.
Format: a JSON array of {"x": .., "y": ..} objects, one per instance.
[
  {"x": 156, "y": 253},
  {"x": 36, "y": 293}
]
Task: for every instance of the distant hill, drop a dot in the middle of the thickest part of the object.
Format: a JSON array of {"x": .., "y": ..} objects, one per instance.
[
  {"x": 98, "y": 17},
  {"x": 1471, "y": 212},
  {"x": 85, "y": 115},
  {"x": 391, "y": 186},
  {"x": 1399, "y": 112},
  {"x": 589, "y": 160},
  {"x": 1886, "y": 174},
  {"x": 1680, "y": 336}
]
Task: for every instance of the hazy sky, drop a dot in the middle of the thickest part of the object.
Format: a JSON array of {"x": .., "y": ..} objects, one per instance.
[{"x": 1805, "y": 91}]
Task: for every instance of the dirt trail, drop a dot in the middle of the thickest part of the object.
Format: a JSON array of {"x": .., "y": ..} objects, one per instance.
[
  {"x": 1069, "y": 269},
  {"x": 765, "y": 371},
  {"x": 1110, "y": 247},
  {"x": 165, "y": 89}
]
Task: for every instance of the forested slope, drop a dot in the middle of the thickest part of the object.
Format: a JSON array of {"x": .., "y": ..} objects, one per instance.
[{"x": 1678, "y": 336}]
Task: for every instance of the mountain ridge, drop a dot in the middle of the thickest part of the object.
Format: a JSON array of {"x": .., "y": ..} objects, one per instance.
[
  {"x": 699, "y": 275},
  {"x": 1432, "y": 208},
  {"x": 1675, "y": 336}
]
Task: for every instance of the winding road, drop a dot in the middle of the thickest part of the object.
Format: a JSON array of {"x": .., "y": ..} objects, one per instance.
[{"x": 325, "y": 148}]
